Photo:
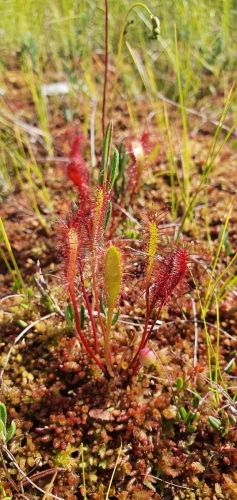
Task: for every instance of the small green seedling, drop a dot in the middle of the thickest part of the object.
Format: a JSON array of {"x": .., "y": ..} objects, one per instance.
[
  {"x": 5, "y": 435},
  {"x": 179, "y": 383},
  {"x": 215, "y": 423},
  {"x": 188, "y": 417},
  {"x": 3, "y": 493},
  {"x": 69, "y": 315}
]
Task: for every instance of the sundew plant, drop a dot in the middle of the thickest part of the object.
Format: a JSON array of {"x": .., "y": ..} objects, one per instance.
[{"x": 94, "y": 266}]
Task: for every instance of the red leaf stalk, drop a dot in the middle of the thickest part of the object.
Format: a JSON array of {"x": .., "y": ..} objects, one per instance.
[
  {"x": 79, "y": 331},
  {"x": 169, "y": 273},
  {"x": 90, "y": 312}
]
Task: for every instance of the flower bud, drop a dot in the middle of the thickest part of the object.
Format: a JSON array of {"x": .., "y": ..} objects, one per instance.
[{"x": 147, "y": 357}]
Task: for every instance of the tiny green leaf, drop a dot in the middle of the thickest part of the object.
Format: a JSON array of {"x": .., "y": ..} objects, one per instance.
[
  {"x": 116, "y": 317},
  {"x": 196, "y": 400},
  {"x": 225, "y": 432},
  {"x": 3, "y": 414},
  {"x": 103, "y": 464},
  {"x": 82, "y": 316},
  {"x": 191, "y": 428},
  {"x": 21, "y": 323},
  {"x": 11, "y": 431},
  {"x": 182, "y": 412},
  {"x": 102, "y": 307},
  {"x": 69, "y": 314},
  {"x": 2, "y": 430},
  {"x": 108, "y": 214},
  {"x": 215, "y": 423},
  {"x": 106, "y": 150},
  {"x": 114, "y": 168},
  {"x": 233, "y": 419},
  {"x": 179, "y": 383},
  {"x": 188, "y": 417},
  {"x": 195, "y": 416}
]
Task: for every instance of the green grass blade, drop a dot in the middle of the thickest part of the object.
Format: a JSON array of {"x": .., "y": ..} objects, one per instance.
[{"x": 9, "y": 249}]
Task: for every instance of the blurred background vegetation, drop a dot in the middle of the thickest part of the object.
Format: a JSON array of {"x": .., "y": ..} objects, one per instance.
[{"x": 66, "y": 36}]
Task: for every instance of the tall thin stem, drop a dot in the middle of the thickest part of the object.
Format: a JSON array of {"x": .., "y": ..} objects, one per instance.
[
  {"x": 107, "y": 341},
  {"x": 120, "y": 44},
  {"x": 106, "y": 65},
  {"x": 145, "y": 337},
  {"x": 96, "y": 297},
  {"x": 89, "y": 309}
]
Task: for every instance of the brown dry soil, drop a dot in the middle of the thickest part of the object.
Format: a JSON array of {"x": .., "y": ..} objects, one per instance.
[{"x": 133, "y": 430}]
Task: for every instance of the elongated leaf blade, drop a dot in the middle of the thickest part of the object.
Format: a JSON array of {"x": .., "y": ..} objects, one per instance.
[
  {"x": 106, "y": 150},
  {"x": 3, "y": 414},
  {"x": 11, "y": 431}
]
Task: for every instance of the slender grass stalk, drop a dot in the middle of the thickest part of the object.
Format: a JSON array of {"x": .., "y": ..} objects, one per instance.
[
  {"x": 83, "y": 471},
  {"x": 225, "y": 25},
  {"x": 217, "y": 371},
  {"x": 210, "y": 350},
  {"x": 49, "y": 487},
  {"x": 33, "y": 189},
  {"x": 10, "y": 270},
  {"x": 186, "y": 166},
  {"x": 20, "y": 282},
  {"x": 213, "y": 153},
  {"x": 39, "y": 101},
  {"x": 106, "y": 65},
  {"x": 5, "y": 179},
  {"x": 173, "y": 170},
  {"x": 43, "y": 192},
  {"x": 230, "y": 283},
  {"x": 212, "y": 285},
  {"x": 30, "y": 167},
  {"x": 142, "y": 72},
  {"x": 113, "y": 473}
]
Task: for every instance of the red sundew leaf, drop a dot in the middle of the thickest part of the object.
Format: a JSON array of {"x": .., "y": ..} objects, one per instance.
[
  {"x": 99, "y": 206},
  {"x": 152, "y": 230},
  {"x": 145, "y": 140},
  {"x": 169, "y": 273},
  {"x": 76, "y": 168},
  {"x": 73, "y": 239}
]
